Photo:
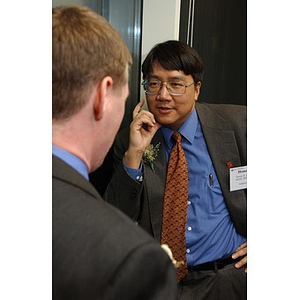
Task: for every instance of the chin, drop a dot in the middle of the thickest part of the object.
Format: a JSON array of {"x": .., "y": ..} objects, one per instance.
[{"x": 164, "y": 120}]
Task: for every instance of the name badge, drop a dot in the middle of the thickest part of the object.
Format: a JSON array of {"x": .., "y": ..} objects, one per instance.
[{"x": 238, "y": 178}]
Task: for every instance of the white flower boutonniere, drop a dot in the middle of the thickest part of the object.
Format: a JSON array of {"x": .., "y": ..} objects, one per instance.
[
  {"x": 176, "y": 263},
  {"x": 150, "y": 154}
]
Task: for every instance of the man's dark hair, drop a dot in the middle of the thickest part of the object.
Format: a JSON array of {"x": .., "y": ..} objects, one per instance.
[{"x": 174, "y": 55}]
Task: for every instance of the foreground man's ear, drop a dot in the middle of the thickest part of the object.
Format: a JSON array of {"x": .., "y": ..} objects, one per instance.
[{"x": 103, "y": 90}]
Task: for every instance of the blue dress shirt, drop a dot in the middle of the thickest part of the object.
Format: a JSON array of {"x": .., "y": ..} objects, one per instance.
[
  {"x": 72, "y": 160},
  {"x": 210, "y": 233}
]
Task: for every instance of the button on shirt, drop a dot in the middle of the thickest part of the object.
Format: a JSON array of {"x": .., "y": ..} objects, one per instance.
[{"x": 210, "y": 233}]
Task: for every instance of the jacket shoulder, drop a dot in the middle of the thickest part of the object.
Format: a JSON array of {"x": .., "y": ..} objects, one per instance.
[{"x": 227, "y": 111}]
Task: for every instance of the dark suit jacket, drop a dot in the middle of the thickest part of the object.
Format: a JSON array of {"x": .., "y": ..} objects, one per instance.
[
  {"x": 224, "y": 128},
  {"x": 98, "y": 252}
]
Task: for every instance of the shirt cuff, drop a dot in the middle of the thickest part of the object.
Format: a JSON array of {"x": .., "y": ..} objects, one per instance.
[{"x": 136, "y": 174}]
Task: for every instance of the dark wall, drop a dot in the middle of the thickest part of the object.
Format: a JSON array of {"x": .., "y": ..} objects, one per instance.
[
  {"x": 101, "y": 177},
  {"x": 219, "y": 34}
]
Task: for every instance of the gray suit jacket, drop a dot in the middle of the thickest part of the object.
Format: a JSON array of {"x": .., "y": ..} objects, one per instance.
[
  {"x": 224, "y": 128},
  {"x": 97, "y": 251}
]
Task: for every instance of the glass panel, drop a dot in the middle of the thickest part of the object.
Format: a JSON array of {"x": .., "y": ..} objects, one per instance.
[
  {"x": 219, "y": 34},
  {"x": 93, "y": 4},
  {"x": 126, "y": 17}
]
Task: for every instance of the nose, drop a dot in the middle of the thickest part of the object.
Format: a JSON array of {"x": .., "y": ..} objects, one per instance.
[{"x": 163, "y": 92}]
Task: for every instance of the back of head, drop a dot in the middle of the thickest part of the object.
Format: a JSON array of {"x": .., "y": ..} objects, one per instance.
[
  {"x": 174, "y": 55},
  {"x": 85, "y": 49}
]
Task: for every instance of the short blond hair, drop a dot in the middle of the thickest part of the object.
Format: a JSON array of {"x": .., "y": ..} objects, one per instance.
[{"x": 85, "y": 49}]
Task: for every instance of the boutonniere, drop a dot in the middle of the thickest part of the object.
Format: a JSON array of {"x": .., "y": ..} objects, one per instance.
[
  {"x": 150, "y": 154},
  {"x": 176, "y": 263}
]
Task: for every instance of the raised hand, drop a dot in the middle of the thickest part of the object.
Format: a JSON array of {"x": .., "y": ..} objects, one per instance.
[{"x": 142, "y": 129}]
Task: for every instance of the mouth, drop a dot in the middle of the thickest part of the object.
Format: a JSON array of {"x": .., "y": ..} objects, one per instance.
[{"x": 164, "y": 110}]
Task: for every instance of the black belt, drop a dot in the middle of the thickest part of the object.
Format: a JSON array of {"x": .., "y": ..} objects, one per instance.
[{"x": 212, "y": 265}]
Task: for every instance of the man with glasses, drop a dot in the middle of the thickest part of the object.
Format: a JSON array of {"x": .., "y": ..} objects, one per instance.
[{"x": 213, "y": 139}]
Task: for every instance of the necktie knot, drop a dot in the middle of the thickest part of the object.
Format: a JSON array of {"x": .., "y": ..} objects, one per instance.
[{"x": 176, "y": 136}]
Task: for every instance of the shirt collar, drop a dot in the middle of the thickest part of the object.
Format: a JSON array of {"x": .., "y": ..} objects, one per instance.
[
  {"x": 187, "y": 129},
  {"x": 72, "y": 160}
]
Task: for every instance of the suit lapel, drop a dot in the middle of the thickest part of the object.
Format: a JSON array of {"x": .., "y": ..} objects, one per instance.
[
  {"x": 155, "y": 184},
  {"x": 220, "y": 142},
  {"x": 222, "y": 147}
]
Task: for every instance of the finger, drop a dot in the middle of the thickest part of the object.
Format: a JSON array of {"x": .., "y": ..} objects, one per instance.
[
  {"x": 138, "y": 108},
  {"x": 239, "y": 253},
  {"x": 241, "y": 263},
  {"x": 242, "y": 251},
  {"x": 241, "y": 246},
  {"x": 153, "y": 129},
  {"x": 144, "y": 117}
]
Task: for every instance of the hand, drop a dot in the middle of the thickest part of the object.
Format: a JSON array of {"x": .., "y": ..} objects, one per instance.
[
  {"x": 241, "y": 251},
  {"x": 142, "y": 129}
]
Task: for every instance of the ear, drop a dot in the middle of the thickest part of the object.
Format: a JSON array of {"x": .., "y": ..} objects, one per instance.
[
  {"x": 197, "y": 90},
  {"x": 101, "y": 100}
]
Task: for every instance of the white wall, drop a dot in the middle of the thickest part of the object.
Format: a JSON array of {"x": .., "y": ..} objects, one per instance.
[{"x": 160, "y": 23}]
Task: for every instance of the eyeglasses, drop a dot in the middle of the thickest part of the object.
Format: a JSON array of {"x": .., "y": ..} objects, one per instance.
[{"x": 174, "y": 87}]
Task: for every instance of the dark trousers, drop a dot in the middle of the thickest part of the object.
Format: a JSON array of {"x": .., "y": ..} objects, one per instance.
[{"x": 227, "y": 283}]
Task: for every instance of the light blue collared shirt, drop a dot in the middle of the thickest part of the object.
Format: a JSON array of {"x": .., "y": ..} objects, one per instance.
[{"x": 72, "y": 160}]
